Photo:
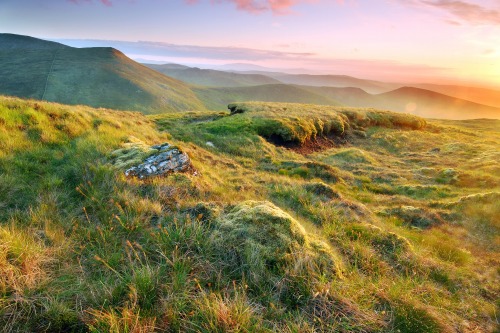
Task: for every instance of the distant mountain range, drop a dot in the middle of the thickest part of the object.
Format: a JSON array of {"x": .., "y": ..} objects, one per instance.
[
  {"x": 417, "y": 101},
  {"x": 339, "y": 81},
  {"x": 212, "y": 78},
  {"x": 105, "y": 77}
]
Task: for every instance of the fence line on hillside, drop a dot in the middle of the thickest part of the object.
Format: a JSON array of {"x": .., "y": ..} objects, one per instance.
[{"x": 50, "y": 72}]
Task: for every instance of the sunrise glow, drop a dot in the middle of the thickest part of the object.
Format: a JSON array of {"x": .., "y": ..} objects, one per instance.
[{"x": 413, "y": 41}]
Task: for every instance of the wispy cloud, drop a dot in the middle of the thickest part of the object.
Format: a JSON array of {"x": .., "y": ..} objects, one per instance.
[
  {"x": 104, "y": 2},
  {"x": 466, "y": 11},
  {"x": 301, "y": 62},
  {"x": 177, "y": 50},
  {"x": 278, "y": 7}
]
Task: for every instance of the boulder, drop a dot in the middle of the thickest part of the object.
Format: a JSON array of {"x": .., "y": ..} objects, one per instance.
[{"x": 165, "y": 159}]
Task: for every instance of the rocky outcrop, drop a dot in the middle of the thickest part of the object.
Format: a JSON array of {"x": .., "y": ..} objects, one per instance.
[{"x": 165, "y": 160}]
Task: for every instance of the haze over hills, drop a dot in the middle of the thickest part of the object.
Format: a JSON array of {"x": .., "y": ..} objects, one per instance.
[
  {"x": 417, "y": 101},
  {"x": 431, "y": 104},
  {"x": 339, "y": 81},
  {"x": 334, "y": 90},
  {"x": 479, "y": 95},
  {"x": 247, "y": 68},
  {"x": 99, "y": 77},
  {"x": 212, "y": 78},
  {"x": 219, "y": 98}
]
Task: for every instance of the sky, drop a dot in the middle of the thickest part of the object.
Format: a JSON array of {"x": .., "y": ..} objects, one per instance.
[{"x": 431, "y": 41}]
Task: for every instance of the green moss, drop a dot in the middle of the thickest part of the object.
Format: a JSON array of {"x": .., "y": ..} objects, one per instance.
[
  {"x": 133, "y": 153},
  {"x": 264, "y": 238}
]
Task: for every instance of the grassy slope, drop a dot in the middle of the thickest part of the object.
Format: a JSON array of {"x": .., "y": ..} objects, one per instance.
[
  {"x": 99, "y": 77},
  {"x": 327, "y": 244},
  {"x": 219, "y": 98},
  {"x": 212, "y": 78}
]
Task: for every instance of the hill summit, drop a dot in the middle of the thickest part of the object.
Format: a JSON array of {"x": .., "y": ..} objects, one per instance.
[{"x": 98, "y": 77}]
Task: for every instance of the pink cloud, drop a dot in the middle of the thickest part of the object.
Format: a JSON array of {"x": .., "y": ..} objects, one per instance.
[
  {"x": 465, "y": 11},
  {"x": 104, "y": 2},
  {"x": 278, "y": 7}
]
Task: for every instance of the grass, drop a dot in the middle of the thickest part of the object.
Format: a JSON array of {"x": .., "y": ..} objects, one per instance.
[
  {"x": 99, "y": 77},
  {"x": 217, "y": 98},
  {"x": 368, "y": 233}
]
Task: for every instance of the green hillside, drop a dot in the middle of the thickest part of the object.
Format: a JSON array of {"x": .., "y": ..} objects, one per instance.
[
  {"x": 219, "y": 98},
  {"x": 99, "y": 77},
  {"x": 295, "y": 218},
  {"x": 212, "y": 78}
]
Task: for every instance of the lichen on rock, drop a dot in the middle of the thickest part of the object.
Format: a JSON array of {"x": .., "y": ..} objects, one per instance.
[{"x": 143, "y": 161}]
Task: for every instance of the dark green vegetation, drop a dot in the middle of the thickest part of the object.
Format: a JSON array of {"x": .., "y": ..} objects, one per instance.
[
  {"x": 389, "y": 223},
  {"x": 99, "y": 77}
]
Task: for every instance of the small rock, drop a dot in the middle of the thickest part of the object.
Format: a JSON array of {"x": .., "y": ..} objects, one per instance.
[
  {"x": 166, "y": 160},
  {"x": 435, "y": 150}
]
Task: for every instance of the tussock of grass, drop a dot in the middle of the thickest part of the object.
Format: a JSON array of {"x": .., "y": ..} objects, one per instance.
[
  {"x": 298, "y": 123},
  {"x": 263, "y": 238},
  {"x": 415, "y": 217},
  {"x": 323, "y": 190}
]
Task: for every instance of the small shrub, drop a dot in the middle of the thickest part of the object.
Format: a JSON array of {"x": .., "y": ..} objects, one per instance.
[{"x": 322, "y": 189}]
